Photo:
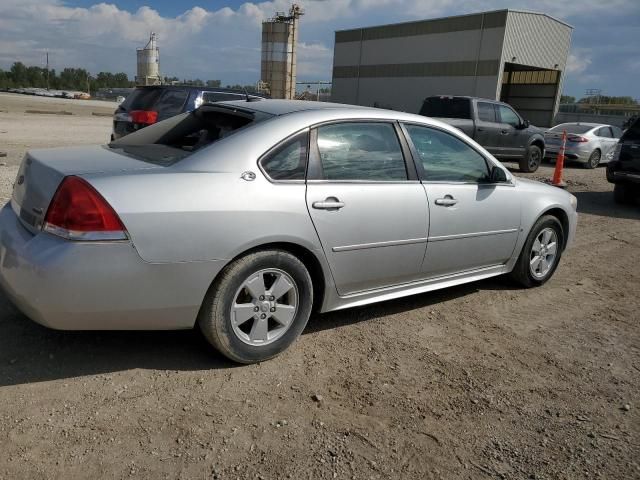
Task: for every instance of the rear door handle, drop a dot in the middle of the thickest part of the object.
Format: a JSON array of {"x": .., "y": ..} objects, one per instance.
[
  {"x": 447, "y": 201},
  {"x": 329, "y": 203},
  {"x": 504, "y": 132}
]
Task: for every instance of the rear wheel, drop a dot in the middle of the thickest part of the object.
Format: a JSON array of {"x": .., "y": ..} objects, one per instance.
[
  {"x": 531, "y": 160},
  {"x": 540, "y": 254},
  {"x": 594, "y": 159},
  {"x": 623, "y": 193},
  {"x": 258, "y": 307}
]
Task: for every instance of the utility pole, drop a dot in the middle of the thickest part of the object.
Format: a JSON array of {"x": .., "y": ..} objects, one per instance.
[{"x": 47, "y": 70}]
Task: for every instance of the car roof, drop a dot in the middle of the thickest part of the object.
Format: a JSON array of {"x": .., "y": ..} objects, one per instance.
[
  {"x": 204, "y": 89},
  {"x": 586, "y": 124},
  {"x": 283, "y": 107}
]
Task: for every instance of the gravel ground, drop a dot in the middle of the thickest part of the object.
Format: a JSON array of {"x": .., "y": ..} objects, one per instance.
[{"x": 479, "y": 381}]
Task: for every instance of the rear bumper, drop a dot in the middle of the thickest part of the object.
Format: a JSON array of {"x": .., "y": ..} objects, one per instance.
[
  {"x": 577, "y": 154},
  {"x": 97, "y": 285}
]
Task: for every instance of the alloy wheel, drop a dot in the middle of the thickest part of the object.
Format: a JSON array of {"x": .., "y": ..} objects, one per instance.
[
  {"x": 264, "y": 307},
  {"x": 543, "y": 253}
]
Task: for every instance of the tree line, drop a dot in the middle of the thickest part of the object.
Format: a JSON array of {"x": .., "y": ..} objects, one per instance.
[
  {"x": 601, "y": 99},
  {"x": 21, "y": 76}
]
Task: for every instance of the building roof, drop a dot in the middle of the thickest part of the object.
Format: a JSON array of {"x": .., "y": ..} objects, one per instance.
[{"x": 505, "y": 11}]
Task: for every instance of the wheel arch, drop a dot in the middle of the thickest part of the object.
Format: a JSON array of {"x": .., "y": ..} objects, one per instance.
[
  {"x": 563, "y": 218},
  {"x": 310, "y": 260},
  {"x": 538, "y": 142}
]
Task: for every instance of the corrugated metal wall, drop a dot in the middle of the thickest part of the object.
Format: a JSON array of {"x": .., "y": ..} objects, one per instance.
[{"x": 397, "y": 66}]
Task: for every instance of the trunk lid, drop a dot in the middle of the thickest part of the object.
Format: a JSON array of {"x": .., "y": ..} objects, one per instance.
[{"x": 42, "y": 171}]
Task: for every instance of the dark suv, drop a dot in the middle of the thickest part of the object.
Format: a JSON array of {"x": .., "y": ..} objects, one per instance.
[
  {"x": 147, "y": 105},
  {"x": 624, "y": 168}
]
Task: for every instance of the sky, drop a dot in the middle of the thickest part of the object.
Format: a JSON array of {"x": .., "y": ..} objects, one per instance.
[{"x": 220, "y": 39}]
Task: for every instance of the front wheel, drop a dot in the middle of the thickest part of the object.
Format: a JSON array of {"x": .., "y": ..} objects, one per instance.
[
  {"x": 258, "y": 307},
  {"x": 531, "y": 160},
  {"x": 540, "y": 254}
]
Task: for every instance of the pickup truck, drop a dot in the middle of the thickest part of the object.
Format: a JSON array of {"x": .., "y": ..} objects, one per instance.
[{"x": 494, "y": 125}]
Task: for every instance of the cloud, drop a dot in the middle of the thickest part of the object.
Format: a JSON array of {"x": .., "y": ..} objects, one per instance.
[
  {"x": 578, "y": 61},
  {"x": 225, "y": 43}
]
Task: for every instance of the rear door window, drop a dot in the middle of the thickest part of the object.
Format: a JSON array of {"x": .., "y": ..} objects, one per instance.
[
  {"x": 170, "y": 103},
  {"x": 617, "y": 133},
  {"x": 604, "y": 132},
  {"x": 486, "y": 112},
  {"x": 446, "y": 107},
  {"x": 361, "y": 151}
]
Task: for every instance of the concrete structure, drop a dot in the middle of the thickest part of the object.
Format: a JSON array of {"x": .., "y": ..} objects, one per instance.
[
  {"x": 514, "y": 56},
  {"x": 279, "y": 42},
  {"x": 149, "y": 63}
]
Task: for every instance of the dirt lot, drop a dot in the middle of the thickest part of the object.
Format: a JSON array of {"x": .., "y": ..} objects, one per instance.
[{"x": 481, "y": 381}]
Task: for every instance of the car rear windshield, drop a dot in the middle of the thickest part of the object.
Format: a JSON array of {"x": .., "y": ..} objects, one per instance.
[
  {"x": 141, "y": 99},
  {"x": 632, "y": 134},
  {"x": 446, "y": 107},
  {"x": 571, "y": 128},
  {"x": 171, "y": 140}
]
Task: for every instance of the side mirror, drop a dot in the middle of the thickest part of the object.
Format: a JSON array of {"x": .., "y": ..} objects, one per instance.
[
  {"x": 497, "y": 175},
  {"x": 525, "y": 124}
]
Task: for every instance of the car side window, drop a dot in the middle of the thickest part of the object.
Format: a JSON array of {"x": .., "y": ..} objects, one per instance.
[
  {"x": 289, "y": 160},
  {"x": 604, "y": 132},
  {"x": 445, "y": 158},
  {"x": 361, "y": 151},
  {"x": 507, "y": 115},
  {"x": 617, "y": 133},
  {"x": 486, "y": 112}
]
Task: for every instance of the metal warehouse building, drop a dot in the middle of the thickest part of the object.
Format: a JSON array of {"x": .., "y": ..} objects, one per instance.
[{"x": 514, "y": 56}]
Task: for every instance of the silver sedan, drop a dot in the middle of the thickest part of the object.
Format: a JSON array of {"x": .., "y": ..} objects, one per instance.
[
  {"x": 244, "y": 217},
  {"x": 588, "y": 143}
]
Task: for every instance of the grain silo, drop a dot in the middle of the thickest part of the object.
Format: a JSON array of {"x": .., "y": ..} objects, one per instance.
[
  {"x": 279, "y": 40},
  {"x": 149, "y": 63}
]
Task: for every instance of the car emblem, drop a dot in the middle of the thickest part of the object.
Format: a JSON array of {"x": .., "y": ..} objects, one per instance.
[
  {"x": 20, "y": 179},
  {"x": 248, "y": 176}
]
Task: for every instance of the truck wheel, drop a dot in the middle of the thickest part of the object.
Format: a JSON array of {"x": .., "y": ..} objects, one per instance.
[{"x": 531, "y": 160}]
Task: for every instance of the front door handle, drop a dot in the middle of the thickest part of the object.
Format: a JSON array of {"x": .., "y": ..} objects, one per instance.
[
  {"x": 504, "y": 132},
  {"x": 447, "y": 201},
  {"x": 329, "y": 203}
]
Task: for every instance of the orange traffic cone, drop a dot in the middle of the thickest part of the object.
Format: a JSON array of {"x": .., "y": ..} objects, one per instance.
[{"x": 557, "y": 173}]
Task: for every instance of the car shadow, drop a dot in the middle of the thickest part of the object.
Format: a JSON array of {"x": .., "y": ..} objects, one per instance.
[
  {"x": 602, "y": 204},
  {"x": 31, "y": 353}
]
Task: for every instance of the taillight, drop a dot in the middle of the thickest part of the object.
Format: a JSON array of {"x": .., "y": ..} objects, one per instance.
[
  {"x": 144, "y": 116},
  {"x": 78, "y": 212},
  {"x": 577, "y": 139}
]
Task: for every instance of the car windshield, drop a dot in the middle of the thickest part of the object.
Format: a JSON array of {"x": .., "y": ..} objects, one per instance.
[
  {"x": 571, "y": 128},
  {"x": 171, "y": 140}
]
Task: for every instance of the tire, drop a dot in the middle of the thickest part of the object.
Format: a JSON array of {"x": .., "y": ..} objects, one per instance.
[
  {"x": 623, "y": 194},
  {"x": 523, "y": 269},
  {"x": 531, "y": 160},
  {"x": 257, "y": 339},
  {"x": 594, "y": 159}
]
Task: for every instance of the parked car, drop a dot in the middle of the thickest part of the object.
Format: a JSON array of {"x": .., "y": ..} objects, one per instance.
[
  {"x": 148, "y": 105},
  {"x": 494, "y": 125},
  {"x": 624, "y": 168},
  {"x": 242, "y": 217},
  {"x": 588, "y": 143}
]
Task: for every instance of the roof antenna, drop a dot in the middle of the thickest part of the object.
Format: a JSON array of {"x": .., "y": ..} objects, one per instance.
[{"x": 248, "y": 98}]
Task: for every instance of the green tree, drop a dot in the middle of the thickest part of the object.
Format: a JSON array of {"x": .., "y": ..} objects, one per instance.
[{"x": 567, "y": 99}]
